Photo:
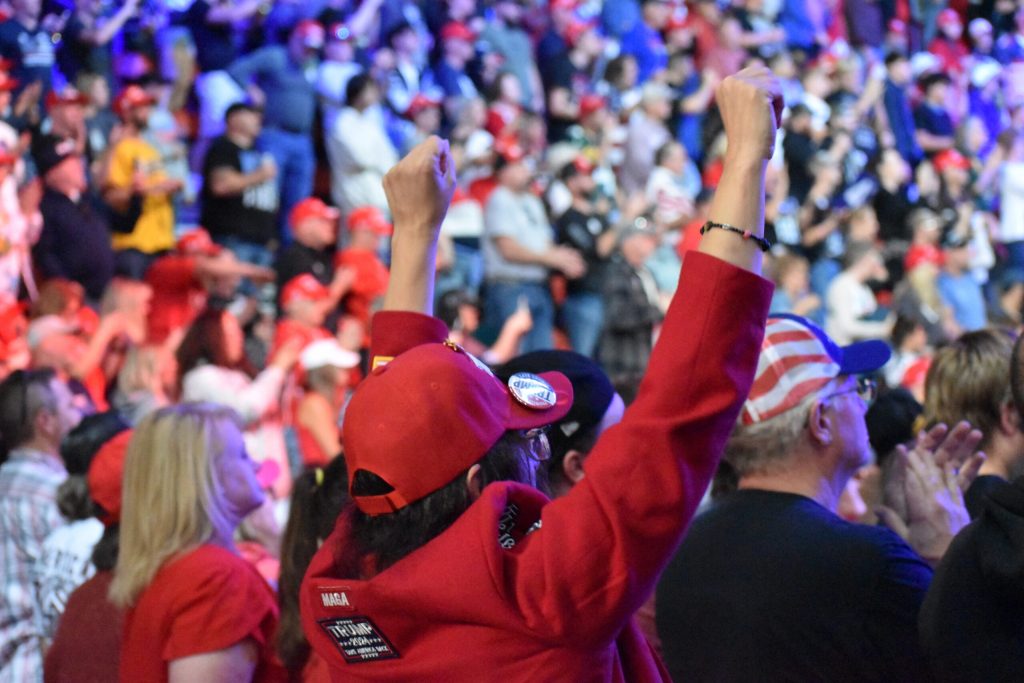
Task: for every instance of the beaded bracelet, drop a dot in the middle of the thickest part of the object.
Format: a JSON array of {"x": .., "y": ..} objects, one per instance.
[{"x": 745, "y": 234}]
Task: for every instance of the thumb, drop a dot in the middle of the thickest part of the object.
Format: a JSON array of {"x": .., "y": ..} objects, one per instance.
[{"x": 892, "y": 520}]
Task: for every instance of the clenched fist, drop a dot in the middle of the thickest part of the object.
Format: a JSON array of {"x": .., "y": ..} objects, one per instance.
[
  {"x": 419, "y": 189},
  {"x": 751, "y": 105}
]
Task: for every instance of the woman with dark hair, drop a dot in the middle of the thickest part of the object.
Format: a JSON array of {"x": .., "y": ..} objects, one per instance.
[
  {"x": 318, "y": 497},
  {"x": 212, "y": 367}
]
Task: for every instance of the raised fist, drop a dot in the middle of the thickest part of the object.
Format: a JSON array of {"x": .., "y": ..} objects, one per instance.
[
  {"x": 751, "y": 105},
  {"x": 419, "y": 189}
]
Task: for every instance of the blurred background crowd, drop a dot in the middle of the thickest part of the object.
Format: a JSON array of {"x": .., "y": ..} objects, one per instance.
[{"x": 191, "y": 205}]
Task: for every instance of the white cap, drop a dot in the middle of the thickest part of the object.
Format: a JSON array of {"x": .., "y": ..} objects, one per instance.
[
  {"x": 924, "y": 62},
  {"x": 325, "y": 352},
  {"x": 983, "y": 72}
]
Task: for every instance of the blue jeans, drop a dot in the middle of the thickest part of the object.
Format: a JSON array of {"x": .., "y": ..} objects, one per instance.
[
  {"x": 249, "y": 252},
  {"x": 583, "y": 315},
  {"x": 296, "y": 165},
  {"x": 501, "y": 300},
  {"x": 132, "y": 263}
]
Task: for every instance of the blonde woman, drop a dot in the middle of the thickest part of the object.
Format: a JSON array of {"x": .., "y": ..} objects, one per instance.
[
  {"x": 196, "y": 611},
  {"x": 143, "y": 381}
]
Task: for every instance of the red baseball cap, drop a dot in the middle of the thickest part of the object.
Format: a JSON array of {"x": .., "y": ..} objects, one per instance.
[
  {"x": 303, "y": 287},
  {"x": 8, "y": 157},
  {"x": 950, "y": 158},
  {"x": 198, "y": 241},
  {"x": 798, "y": 358},
  {"x": 456, "y": 30},
  {"x": 66, "y": 96},
  {"x": 311, "y": 207},
  {"x": 576, "y": 30},
  {"x": 583, "y": 164},
  {"x": 369, "y": 218},
  {"x": 425, "y": 417},
  {"x": 7, "y": 84},
  {"x": 311, "y": 32},
  {"x": 421, "y": 102},
  {"x": 569, "y": 5},
  {"x": 105, "y": 477},
  {"x": 591, "y": 103},
  {"x": 676, "y": 22},
  {"x": 131, "y": 97},
  {"x": 949, "y": 17},
  {"x": 509, "y": 149}
]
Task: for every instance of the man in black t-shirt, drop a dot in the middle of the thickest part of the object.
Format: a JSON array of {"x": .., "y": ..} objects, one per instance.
[
  {"x": 770, "y": 583},
  {"x": 567, "y": 76},
  {"x": 240, "y": 197},
  {"x": 587, "y": 231}
]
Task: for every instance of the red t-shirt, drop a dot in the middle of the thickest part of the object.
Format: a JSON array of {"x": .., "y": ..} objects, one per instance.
[
  {"x": 205, "y": 601},
  {"x": 178, "y": 296},
  {"x": 371, "y": 281},
  {"x": 87, "y": 645}
]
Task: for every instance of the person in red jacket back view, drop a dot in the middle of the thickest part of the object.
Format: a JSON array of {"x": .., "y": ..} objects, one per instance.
[{"x": 452, "y": 564}]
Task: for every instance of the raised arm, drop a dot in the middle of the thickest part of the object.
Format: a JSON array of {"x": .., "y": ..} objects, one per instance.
[
  {"x": 751, "y": 106},
  {"x": 419, "y": 189}
]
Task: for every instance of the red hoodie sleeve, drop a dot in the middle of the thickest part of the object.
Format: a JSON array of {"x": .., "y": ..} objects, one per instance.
[{"x": 600, "y": 548}]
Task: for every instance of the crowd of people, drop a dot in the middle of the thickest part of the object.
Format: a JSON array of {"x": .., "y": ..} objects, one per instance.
[{"x": 217, "y": 290}]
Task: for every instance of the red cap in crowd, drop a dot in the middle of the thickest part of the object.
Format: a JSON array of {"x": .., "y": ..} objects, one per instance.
[
  {"x": 583, "y": 164},
  {"x": 948, "y": 17},
  {"x": 568, "y": 5},
  {"x": 509, "y": 148},
  {"x": 303, "y": 287},
  {"x": 311, "y": 33},
  {"x": 675, "y": 22},
  {"x": 66, "y": 96},
  {"x": 7, "y": 84},
  {"x": 105, "y": 476},
  {"x": 456, "y": 30},
  {"x": 421, "y": 102},
  {"x": 591, "y": 103},
  {"x": 798, "y": 358},
  {"x": 311, "y": 207},
  {"x": 576, "y": 30},
  {"x": 369, "y": 218},
  {"x": 950, "y": 158},
  {"x": 198, "y": 241},
  {"x": 131, "y": 97},
  {"x": 447, "y": 404}
]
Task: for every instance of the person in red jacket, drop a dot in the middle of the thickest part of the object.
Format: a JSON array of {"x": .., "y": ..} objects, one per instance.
[
  {"x": 452, "y": 564},
  {"x": 366, "y": 227}
]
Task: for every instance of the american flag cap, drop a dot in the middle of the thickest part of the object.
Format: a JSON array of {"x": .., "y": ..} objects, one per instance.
[{"x": 797, "y": 359}]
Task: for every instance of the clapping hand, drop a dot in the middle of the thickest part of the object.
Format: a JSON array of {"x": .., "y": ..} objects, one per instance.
[{"x": 923, "y": 495}]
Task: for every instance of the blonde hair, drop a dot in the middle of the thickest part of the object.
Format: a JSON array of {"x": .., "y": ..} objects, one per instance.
[
  {"x": 172, "y": 499},
  {"x": 970, "y": 380},
  {"x": 130, "y": 298},
  {"x": 141, "y": 369}
]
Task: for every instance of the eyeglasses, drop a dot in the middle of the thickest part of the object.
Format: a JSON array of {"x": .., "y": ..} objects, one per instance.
[{"x": 866, "y": 389}]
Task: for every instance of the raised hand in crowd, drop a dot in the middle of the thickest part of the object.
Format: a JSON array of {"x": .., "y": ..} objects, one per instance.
[
  {"x": 923, "y": 495},
  {"x": 419, "y": 189}
]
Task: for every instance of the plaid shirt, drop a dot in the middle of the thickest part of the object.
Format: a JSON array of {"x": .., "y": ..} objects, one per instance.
[{"x": 28, "y": 513}]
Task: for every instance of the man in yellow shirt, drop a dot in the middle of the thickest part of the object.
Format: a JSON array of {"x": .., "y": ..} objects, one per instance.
[{"x": 138, "y": 190}]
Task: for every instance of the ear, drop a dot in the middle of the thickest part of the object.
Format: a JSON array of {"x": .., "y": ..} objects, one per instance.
[
  {"x": 1009, "y": 418},
  {"x": 474, "y": 482},
  {"x": 572, "y": 466},
  {"x": 820, "y": 424}
]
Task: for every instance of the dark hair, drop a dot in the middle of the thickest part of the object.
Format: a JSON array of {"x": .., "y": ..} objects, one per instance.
[
  {"x": 204, "y": 342},
  {"x": 241, "y": 106},
  {"x": 890, "y": 421},
  {"x": 400, "y": 27},
  {"x": 664, "y": 151},
  {"x": 357, "y": 85},
  {"x": 903, "y": 328},
  {"x": 388, "y": 538},
  {"x": 77, "y": 450},
  {"x": 104, "y": 553},
  {"x": 617, "y": 67},
  {"x": 449, "y": 303},
  {"x": 23, "y": 394},
  {"x": 894, "y": 56},
  {"x": 314, "y": 510}
]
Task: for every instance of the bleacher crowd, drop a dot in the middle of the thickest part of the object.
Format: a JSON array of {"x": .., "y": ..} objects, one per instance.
[{"x": 235, "y": 444}]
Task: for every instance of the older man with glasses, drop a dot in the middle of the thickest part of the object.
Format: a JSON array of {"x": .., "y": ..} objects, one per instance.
[
  {"x": 37, "y": 411},
  {"x": 770, "y": 583}
]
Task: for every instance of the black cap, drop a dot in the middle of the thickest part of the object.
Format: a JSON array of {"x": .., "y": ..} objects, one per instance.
[
  {"x": 592, "y": 392},
  {"x": 890, "y": 421},
  {"x": 83, "y": 442},
  {"x": 50, "y": 150}
]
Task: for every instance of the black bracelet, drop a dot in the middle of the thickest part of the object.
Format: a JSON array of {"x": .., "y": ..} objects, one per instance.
[{"x": 745, "y": 234}]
